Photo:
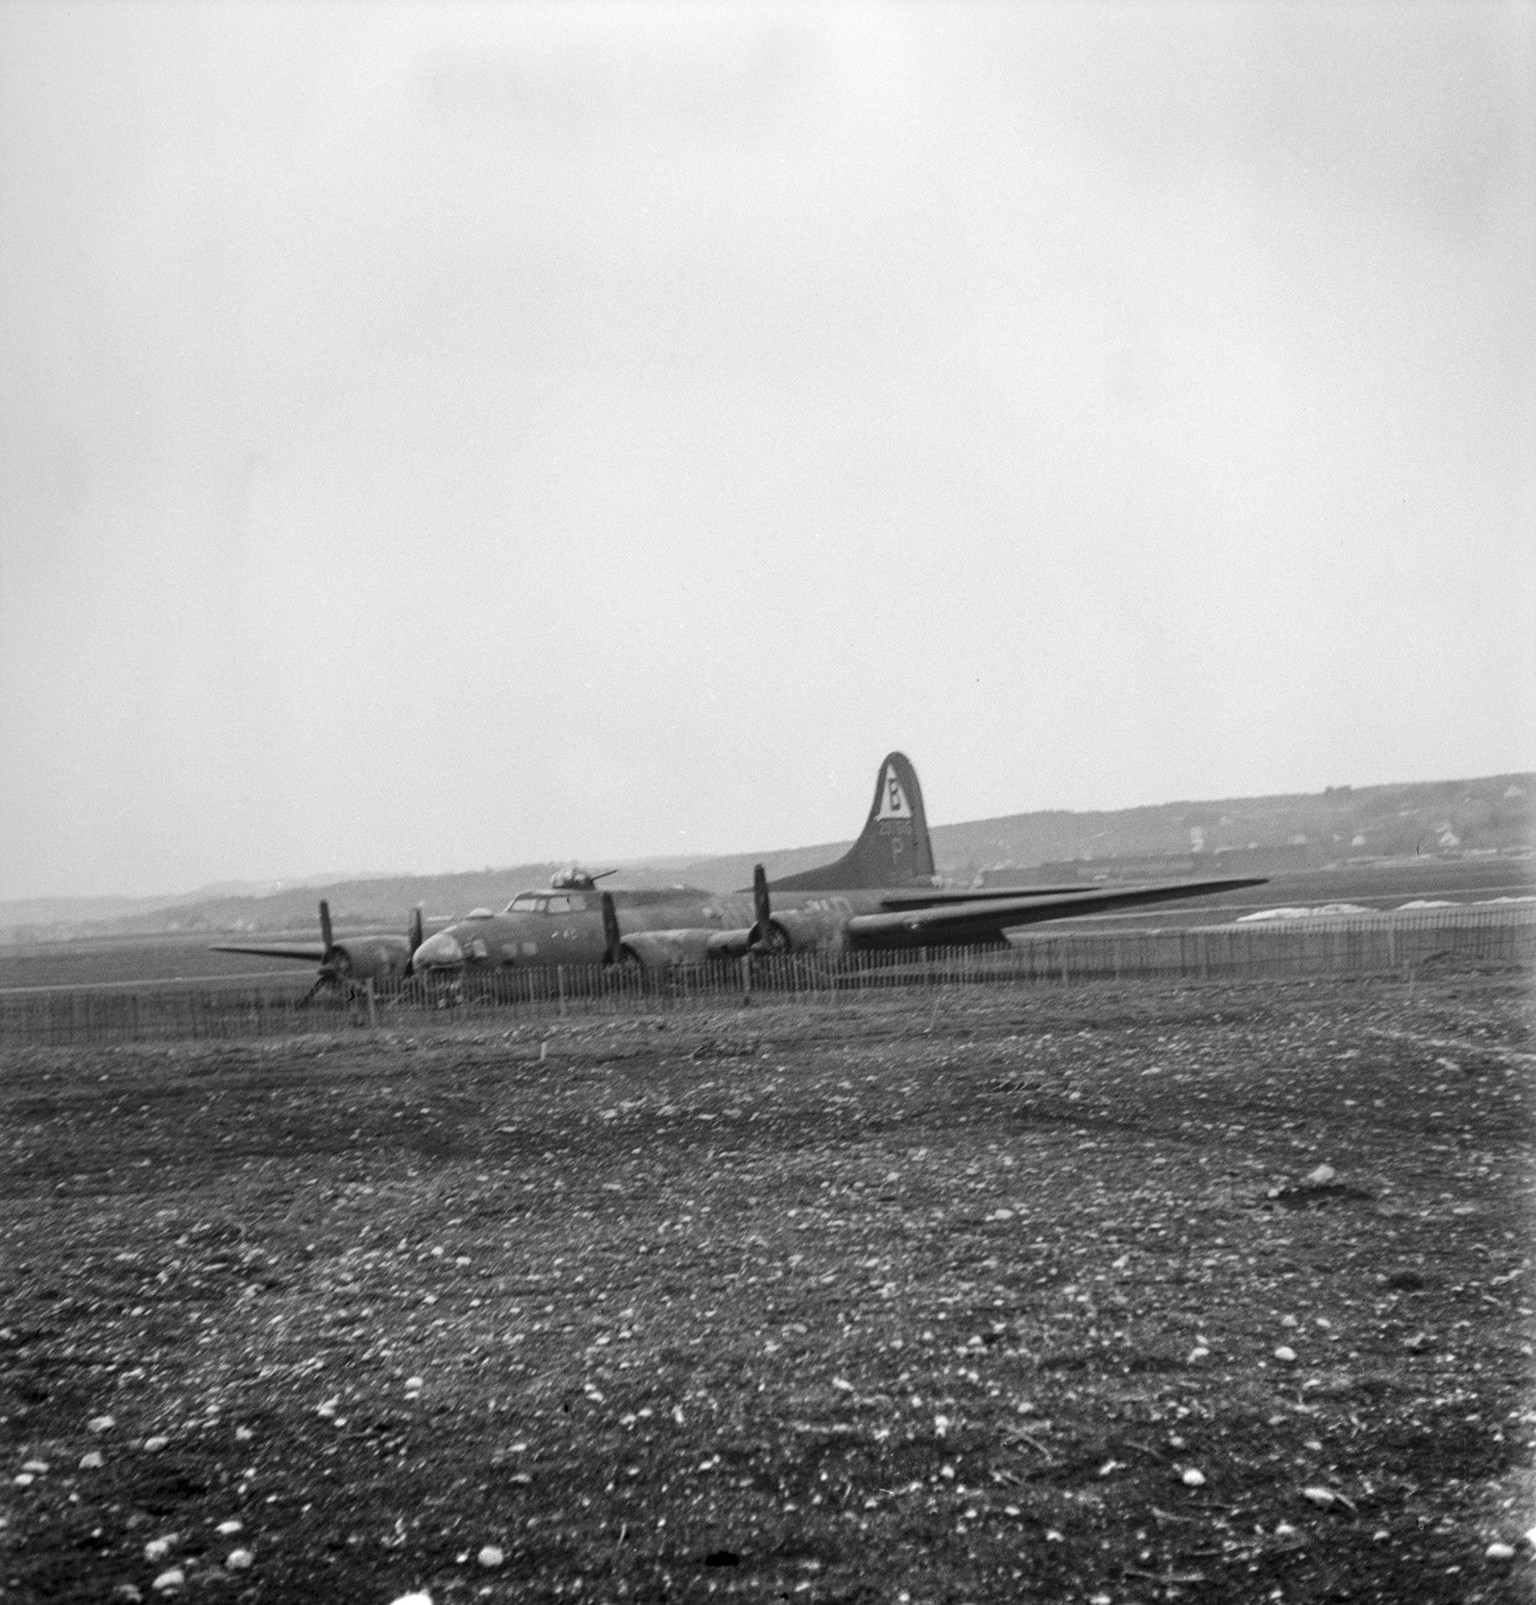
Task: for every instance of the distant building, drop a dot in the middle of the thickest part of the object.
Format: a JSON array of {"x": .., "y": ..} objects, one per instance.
[{"x": 1153, "y": 866}]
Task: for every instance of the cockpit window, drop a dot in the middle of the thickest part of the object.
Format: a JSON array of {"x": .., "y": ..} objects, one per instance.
[{"x": 543, "y": 903}]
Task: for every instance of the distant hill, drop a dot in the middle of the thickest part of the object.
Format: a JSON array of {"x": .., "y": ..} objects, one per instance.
[
  {"x": 1491, "y": 814},
  {"x": 1446, "y": 818},
  {"x": 380, "y": 902},
  {"x": 120, "y": 913},
  {"x": 1442, "y": 817}
]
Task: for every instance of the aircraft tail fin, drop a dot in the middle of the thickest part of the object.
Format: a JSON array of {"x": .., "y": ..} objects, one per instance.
[{"x": 893, "y": 849}]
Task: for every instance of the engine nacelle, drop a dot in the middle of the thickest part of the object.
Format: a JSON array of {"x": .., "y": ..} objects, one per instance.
[
  {"x": 669, "y": 950},
  {"x": 726, "y": 945},
  {"x": 799, "y": 931},
  {"x": 377, "y": 958}
]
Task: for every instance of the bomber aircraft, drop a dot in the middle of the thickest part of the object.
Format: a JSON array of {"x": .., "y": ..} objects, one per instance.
[
  {"x": 882, "y": 893},
  {"x": 348, "y": 964}
]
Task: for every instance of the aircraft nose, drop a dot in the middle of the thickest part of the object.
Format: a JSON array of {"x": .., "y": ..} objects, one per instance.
[{"x": 440, "y": 952}]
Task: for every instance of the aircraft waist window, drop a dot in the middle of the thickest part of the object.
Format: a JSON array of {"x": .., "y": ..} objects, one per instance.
[
  {"x": 577, "y": 901},
  {"x": 525, "y": 903},
  {"x": 559, "y": 905}
]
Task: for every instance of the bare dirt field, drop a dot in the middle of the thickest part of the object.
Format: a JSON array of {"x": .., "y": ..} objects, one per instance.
[{"x": 988, "y": 1295}]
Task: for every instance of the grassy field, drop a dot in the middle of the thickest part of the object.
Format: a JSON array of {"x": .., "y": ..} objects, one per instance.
[{"x": 995, "y": 1295}]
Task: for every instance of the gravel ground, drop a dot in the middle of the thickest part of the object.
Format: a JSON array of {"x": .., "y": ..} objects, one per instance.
[{"x": 1109, "y": 1295}]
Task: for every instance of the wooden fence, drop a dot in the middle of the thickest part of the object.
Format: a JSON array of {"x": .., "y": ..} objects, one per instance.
[{"x": 1406, "y": 945}]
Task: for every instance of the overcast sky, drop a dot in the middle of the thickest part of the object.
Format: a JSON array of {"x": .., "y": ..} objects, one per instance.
[{"x": 444, "y": 435}]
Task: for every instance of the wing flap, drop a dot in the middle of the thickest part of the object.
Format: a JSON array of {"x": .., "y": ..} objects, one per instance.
[{"x": 985, "y": 919}]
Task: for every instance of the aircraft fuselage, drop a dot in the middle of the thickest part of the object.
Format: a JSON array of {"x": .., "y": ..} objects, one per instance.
[{"x": 555, "y": 927}]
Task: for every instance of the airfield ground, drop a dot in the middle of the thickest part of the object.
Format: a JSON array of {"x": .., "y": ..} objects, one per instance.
[
  {"x": 127, "y": 959},
  {"x": 989, "y": 1295}
]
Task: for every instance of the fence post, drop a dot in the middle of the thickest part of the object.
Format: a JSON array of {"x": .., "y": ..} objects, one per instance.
[
  {"x": 560, "y": 985},
  {"x": 373, "y": 1005}
]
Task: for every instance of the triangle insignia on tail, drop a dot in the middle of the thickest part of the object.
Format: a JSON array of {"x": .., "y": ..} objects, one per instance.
[{"x": 893, "y": 798}]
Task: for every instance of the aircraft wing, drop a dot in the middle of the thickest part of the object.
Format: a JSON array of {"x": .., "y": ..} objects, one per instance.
[
  {"x": 925, "y": 897},
  {"x": 310, "y": 952},
  {"x": 985, "y": 919}
]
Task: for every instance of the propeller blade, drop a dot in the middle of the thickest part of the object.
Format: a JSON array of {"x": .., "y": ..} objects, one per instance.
[
  {"x": 416, "y": 928},
  {"x": 762, "y": 912},
  {"x": 612, "y": 942},
  {"x": 325, "y": 927}
]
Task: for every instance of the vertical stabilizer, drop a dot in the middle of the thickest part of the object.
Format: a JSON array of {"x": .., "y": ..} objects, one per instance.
[{"x": 893, "y": 849}]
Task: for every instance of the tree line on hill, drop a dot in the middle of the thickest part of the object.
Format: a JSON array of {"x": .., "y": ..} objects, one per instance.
[{"x": 1486, "y": 815}]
